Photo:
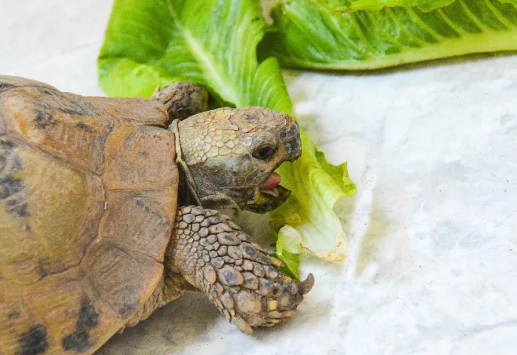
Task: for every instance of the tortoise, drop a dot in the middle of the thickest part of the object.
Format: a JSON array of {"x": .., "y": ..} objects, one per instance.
[{"x": 109, "y": 210}]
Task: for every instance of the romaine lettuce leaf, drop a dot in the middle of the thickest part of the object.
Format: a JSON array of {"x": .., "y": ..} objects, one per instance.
[
  {"x": 424, "y": 5},
  {"x": 152, "y": 42},
  {"x": 370, "y": 34}
]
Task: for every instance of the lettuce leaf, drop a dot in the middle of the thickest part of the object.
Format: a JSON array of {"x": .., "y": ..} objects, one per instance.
[
  {"x": 316, "y": 186},
  {"x": 149, "y": 43},
  {"x": 424, "y": 5},
  {"x": 370, "y": 34}
]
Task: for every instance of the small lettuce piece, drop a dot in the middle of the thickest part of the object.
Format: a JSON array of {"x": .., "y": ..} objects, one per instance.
[
  {"x": 149, "y": 43},
  {"x": 288, "y": 249},
  {"x": 315, "y": 184},
  {"x": 371, "y": 34}
]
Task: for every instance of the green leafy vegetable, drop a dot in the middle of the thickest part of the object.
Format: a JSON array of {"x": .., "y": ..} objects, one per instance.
[
  {"x": 316, "y": 185},
  {"x": 369, "y": 34},
  {"x": 152, "y": 42},
  {"x": 424, "y": 5}
]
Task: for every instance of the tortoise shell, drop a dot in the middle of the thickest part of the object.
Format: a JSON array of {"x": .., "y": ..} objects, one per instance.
[{"x": 88, "y": 195}]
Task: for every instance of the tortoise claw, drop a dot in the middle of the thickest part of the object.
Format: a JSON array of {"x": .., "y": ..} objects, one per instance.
[
  {"x": 242, "y": 325},
  {"x": 305, "y": 286}
]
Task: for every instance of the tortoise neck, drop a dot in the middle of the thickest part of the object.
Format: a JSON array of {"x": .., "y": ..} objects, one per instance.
[{"x": 188, "y": 178}]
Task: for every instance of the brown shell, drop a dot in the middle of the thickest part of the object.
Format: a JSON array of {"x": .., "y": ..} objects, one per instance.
[{"x": 88, "y": 192}]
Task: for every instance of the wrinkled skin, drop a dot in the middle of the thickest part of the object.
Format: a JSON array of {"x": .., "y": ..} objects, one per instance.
[{"x": 232, "y": 153}]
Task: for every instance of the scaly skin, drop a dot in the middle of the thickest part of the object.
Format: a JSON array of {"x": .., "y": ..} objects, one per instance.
[
  {"x": 182, "y": 99},
  {"x": 222, "y": 149},
  {"x": 216, "y": 256}
]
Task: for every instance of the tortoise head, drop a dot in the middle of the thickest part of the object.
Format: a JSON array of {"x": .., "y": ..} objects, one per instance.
[{"x": 230, "y": 156}]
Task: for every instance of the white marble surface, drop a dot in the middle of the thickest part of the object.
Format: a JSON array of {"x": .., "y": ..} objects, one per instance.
[{"x": 432, "y": 231}]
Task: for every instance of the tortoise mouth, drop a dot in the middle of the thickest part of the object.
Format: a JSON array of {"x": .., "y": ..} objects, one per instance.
[
  {"x": 269, "y": 195},
  {"x": 269, "y": 187}
]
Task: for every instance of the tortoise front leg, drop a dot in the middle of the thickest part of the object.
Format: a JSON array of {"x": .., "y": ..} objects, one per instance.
[
  {"x": 216, "y": 256},
  {"x": 182, "y": 99}
]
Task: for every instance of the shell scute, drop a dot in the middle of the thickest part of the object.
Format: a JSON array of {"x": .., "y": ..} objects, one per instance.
[
  {"x": 135, "y": 109},
  {"x": 19, "y": 329},
  {"x": 61, "y": 211},
  {"x": 123, "y": 278},
  {"x": 139, "y": 157},
  {"x": 69, "y": 132},
  {"x": 140, "y": 222}
]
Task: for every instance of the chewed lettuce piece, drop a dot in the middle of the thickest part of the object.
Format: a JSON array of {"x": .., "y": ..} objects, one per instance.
[{"x": 307, "y": 222}]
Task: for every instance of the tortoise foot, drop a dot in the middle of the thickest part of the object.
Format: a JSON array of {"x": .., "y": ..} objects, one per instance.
[{"x": 237, "y": 275}]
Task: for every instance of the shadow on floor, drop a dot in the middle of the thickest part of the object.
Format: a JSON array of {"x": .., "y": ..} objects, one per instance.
[{"x": 169, "y": 330}]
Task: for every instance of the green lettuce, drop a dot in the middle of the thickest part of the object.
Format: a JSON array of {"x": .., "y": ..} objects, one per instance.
[
  {"x": 370, "y": 34},
  {"x": 316, "y": 186},
  {"x": 149, "y": 43},
  {"x": 424, "y": 5}
]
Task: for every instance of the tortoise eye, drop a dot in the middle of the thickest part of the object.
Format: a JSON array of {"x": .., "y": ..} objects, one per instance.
[{"x": 264, "y": 152}]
